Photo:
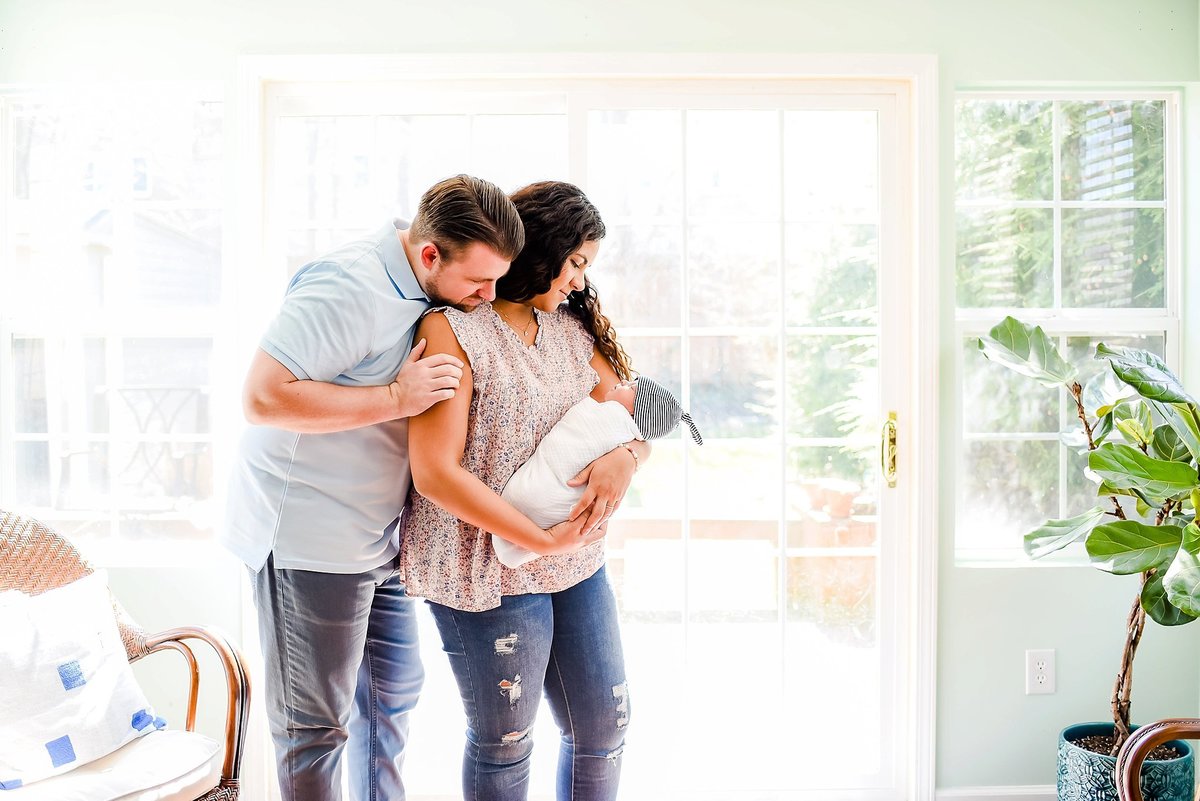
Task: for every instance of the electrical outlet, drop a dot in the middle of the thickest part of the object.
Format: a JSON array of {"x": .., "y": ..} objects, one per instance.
[{"x": 1039, "y": 672}]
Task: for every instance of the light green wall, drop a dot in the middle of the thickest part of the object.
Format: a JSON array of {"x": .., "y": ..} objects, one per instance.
[
  {"x": 993, "y": 40},
  {"x": 989, "y": 732}
]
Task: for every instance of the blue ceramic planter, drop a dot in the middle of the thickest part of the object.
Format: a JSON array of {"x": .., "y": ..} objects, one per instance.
[{"x": 1085, "y": 776}]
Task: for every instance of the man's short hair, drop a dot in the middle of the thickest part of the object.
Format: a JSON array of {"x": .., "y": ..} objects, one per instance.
[{"x": 462, "y": 210}]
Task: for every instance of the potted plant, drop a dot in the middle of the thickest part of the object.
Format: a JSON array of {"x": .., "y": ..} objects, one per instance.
[{"x": 1140, "y": 431}]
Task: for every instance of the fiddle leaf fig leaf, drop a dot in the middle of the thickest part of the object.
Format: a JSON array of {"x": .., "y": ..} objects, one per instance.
[
  {"x": 1104, "y": 391},
  {"x": 1167, "y": 445},
  {"x": 1183, "y": 420},
  {"x": 1028, "y": 351},
  {"x": 1182, "y": 579},
  {"x": 1158, "y": 605},
  {"x": 1134, "y": 422},
  {"x": 1057, "y": 534},
  {"x": 1126, "y": 467},
  {"x": 1104, "y": 427},
  {"x": 1146, "y": 373},
  {"x": 1126, "y": 546}
]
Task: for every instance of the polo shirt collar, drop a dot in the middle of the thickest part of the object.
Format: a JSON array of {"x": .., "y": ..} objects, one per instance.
[{"x": 395, "y": 261}]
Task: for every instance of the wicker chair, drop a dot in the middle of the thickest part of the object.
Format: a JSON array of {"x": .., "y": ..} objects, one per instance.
[
  {"x": 1140, "y": 744},
  {"x": 35, "y": 558}
]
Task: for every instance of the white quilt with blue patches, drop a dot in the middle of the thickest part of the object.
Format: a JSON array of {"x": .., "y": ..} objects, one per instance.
[{"x": 67, "y": 693}]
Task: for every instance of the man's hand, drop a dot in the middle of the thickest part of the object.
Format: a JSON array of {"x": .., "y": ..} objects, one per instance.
[
  {"x": 423, "y": 382},
  {"x": 568, "y": 535},
  {"x": 607, "y": 480}
]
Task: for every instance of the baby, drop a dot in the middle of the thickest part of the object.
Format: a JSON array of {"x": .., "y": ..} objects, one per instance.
[{"x": 640, "y": 409}]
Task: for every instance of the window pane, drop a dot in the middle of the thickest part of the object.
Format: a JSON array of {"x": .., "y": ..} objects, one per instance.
[
  {"x": 832, "y": 385},
  {"x": 656, "y": 357},
  {"x": 165, "y": 389},
  {"x": 746, "y": 469},
  {"x": 831, "y": 165},
  {"x": 162, "y": 476},
  {"x": 62, "y": 263},
  {"x": 66, "y": 152},
  {"x": 734, "y": 280},
  {"x": 512, "y": 150},
  {"x": 439, "y": 139},
  {"x": 645, "y": 565},
  {"x": 170, "y": 362},
  {"x": 836, "y": 595},
  {"x": 832, "y": 496},
  {"x": 658, "y": 493},
  {"x": 33, "y": 473},
  {"x": 656, "y": 654},
  {"x": 998, "y": 400},
  {"x": 174, "y": 259},
  {"x": 1081, "y": 351},
  {"x": 635, "y": 163},
  {"x": 716, "y": 593},
  {"x": 733, "y": 166},
  {"x": 734, "y": 387},
  {"x": 324, "y": 169},
  {"x": 305, "y": 245},
  {"x": 639, "y": 275},
  {"x": 1004, "y": 149},
  {"x": 59, "y": 385},
  {"x": 1005, "y": 257},
  {"x": 1112, "y": 150},
  {"x": 751, "y": 652},
  {"x": 1113, "y": 258},
  {"x": 830, "y": 273},
  {"x": 176, "y": 151},
  {"x": 29, "y": 367},
  {"x": 1007, "y": 489},
  {"x": 69, "y": 475}
]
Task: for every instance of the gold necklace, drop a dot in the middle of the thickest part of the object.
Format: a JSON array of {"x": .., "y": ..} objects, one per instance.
[{"x": 525, "y": 330}]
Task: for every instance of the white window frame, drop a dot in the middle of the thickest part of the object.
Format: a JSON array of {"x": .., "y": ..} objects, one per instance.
[
  {"x": 1061, "y": 323},
  {"x": 258, "y": 74}
]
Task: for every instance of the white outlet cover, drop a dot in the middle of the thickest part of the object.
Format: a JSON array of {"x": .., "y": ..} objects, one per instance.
[{"x": 1039, "y": 672}]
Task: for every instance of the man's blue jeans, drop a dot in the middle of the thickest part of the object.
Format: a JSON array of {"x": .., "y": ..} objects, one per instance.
[
  {"x": 342, "y": 669},
  {"x": 566, "y": 644}
]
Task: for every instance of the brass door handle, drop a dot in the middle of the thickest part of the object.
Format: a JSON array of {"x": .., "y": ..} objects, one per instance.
[{"x": 887, "y": 451}]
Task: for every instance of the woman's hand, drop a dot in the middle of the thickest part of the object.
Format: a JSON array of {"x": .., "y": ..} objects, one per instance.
[{"x": 607, "y": 480}]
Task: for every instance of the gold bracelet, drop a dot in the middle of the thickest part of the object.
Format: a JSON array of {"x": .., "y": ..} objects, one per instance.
[{"x": 636, "y": 461}]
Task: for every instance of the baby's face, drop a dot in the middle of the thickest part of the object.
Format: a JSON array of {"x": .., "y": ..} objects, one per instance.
[{"x": 623, "y": 393}]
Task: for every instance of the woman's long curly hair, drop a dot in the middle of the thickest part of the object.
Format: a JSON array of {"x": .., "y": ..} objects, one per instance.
[{"x": 558, "y": 219}]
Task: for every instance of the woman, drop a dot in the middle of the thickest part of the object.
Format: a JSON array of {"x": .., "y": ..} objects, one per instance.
[{"x": 551, "y": 624}]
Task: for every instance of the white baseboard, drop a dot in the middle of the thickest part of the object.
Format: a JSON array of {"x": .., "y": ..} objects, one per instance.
[{"x": 1028, "y": 792}]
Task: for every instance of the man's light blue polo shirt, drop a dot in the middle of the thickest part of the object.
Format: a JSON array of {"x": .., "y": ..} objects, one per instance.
[{"x": 331, "y": 502}]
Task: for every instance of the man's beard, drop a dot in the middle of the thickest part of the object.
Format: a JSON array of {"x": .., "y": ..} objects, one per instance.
[{"x": 467, "y": 304}]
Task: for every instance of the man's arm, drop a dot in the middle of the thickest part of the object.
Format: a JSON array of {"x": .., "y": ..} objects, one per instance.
[{"x": 272, "y": 396}]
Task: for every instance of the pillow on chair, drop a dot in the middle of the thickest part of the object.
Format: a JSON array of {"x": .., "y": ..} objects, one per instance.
[{"x": 67, "y": 693}]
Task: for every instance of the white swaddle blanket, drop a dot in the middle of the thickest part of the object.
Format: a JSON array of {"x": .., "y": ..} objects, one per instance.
[{"x": 539, "y": 488}]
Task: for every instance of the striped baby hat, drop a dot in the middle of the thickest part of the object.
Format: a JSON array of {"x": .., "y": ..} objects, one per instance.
[{"x": 657, "y": 412}]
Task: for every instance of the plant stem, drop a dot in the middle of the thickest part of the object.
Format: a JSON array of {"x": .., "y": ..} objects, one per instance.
[
  {"x": 1077, "y": 395},
  {"x": 1124, "y": 684}
]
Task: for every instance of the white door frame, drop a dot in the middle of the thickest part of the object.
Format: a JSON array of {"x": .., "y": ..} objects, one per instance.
[{"x": 918, "y": 470}]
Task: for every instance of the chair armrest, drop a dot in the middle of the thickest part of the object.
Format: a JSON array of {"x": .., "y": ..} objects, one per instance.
[
  {"x": 1140, "y": 744},
  {"x": 237, "y": 683}
]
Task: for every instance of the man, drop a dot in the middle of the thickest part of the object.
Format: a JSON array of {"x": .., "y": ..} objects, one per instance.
[{"x": 322, "y": 475}]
